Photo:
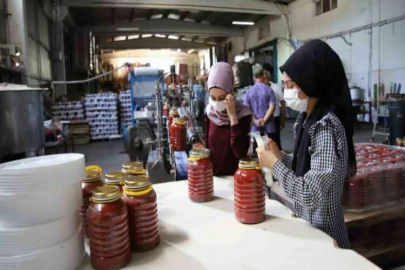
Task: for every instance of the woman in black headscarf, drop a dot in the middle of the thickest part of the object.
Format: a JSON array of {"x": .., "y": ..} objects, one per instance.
[{"x": 316, "y": 85}]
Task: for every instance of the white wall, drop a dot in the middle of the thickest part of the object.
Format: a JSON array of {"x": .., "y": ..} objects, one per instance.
[
  {"x": 284, "y": 50},
  {"x": 387, "y": 42},
  {"x": 250, "y": 39}
]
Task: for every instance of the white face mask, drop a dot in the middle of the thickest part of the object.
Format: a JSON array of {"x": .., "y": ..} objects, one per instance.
[
  {"x": 219, "y": 106},
  {"x": 293, "y": 101}
]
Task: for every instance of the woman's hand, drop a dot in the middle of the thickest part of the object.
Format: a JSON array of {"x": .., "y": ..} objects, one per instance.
[
  {"x": 262, "y": 122},
  {"x": 257, "y": 122},
  {"x": 231, "y": 109},
  {"x": 272, "y": 146},
  {"x": 266, "y": 158}
]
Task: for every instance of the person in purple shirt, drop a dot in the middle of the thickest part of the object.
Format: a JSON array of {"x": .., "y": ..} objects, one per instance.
[{"x": 261, "y": 100}]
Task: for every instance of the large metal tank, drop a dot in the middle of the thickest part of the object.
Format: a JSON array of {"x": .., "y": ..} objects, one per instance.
[{"x": 21, "y": 122}]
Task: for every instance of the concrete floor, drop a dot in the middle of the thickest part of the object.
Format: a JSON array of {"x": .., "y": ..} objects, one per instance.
[{"x": 109, "y": 156}]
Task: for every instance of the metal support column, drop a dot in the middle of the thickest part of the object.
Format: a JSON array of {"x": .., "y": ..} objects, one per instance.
[{"x": 58, "y": 50}]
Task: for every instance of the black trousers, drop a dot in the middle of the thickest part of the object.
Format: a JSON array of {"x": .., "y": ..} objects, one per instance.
[{"x": 278, "y": 129}]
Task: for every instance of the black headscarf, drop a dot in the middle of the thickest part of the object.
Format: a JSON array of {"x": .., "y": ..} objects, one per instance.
[{"x": 319, "y": 72}]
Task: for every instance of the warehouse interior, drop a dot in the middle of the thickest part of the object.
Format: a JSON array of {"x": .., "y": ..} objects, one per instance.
[{"x": 90, "y": 89}]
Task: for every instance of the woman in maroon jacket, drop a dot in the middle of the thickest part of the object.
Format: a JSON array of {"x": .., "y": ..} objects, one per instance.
[{"x": 227, "y": 123}]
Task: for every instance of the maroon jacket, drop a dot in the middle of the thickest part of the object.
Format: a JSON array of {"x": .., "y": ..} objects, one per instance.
[{"x": 227, "y": 144}]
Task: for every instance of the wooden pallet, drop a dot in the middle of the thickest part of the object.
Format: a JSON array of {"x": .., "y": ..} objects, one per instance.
[{"x": 383, "y": 251}]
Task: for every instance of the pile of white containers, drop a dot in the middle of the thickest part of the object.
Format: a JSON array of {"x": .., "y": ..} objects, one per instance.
[
  {"x": 40, "y": 200},
  {"x": 125, "y": 108}
]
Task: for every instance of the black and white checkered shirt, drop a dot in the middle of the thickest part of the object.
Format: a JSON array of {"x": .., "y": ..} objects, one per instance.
[{"x": 317, "y": 195}]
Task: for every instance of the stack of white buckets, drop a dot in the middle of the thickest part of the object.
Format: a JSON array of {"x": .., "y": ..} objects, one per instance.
[{"x": 40, "y": 200}]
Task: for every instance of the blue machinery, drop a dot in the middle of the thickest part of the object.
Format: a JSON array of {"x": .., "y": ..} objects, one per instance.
[
  {"x": 142, "y": 83},
  {"x": 147, "y": 85}
]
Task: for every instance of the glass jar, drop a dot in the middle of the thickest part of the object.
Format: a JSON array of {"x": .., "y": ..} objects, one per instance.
[
  {"x": 178, "y": 135},
  {"x": 357, "y": 190},
  {"x": 392, "y": 179},
  {"x": 200, "y": 176},
  {"x": 134, "y": 168},
  {"x": 92, "y": 181},
  {"x": 166, "y": 109},
  {"x": 116, "y": 178},
  {"x": 174, "y": 113},
  {"x": 108, "y": 229},
  {"x": 249, "y": 193},
  {"x": 142, "y": 212},
  {"x": 399, "y": 142},
  {"x": 401, "y": 193},
  {"x": 376, "y": 193}
]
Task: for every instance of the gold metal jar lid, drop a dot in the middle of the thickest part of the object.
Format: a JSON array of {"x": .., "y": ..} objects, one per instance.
[
  {"x": 132, "y": 166},
  {"x": 93, "y": 173},
  {"x": 105, "y": 194},
  {"x": 115, "y": 177},
  {"x": 199, "y": 153},
  {"x": 179, "y": 121},
  {"x": 174, "y": 111},
  {"x": 137, "y": 182},
  {"x": 248, "y": 163}
]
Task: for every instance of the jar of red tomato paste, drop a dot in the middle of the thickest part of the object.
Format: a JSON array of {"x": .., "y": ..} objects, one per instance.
[
  {"x": 92, "y": 181},
  {"x": 166, "y": 109},
  {"x": 108, "y": 229},
  {"x": 249, "y": 193},
  {"x": 134, "y": 168},
  {"x": 142, "y": 213},
  {"x": 116, "y": 178},
  {"x": 200, "y": 176},
  {"x": 178, "y": 135},
  {"x": 357, "y": 190},
  {"x": 174, "y": 113}
]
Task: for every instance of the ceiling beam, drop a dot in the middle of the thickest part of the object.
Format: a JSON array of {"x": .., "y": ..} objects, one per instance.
[
  {"x": 184, "y": 15},
  {"x": 132, "y": 15},
  {"x": 165, "y": 27},
  {"x": 150, "y": 14},
  {"x": 152, "y": 43},
  {"x": 238, "y": 6},
  {"x": 202, "y": 16},
  {"x": 166, "y": 13}
]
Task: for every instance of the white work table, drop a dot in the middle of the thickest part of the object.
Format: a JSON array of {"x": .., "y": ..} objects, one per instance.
[{"x": 207, "y": 236}]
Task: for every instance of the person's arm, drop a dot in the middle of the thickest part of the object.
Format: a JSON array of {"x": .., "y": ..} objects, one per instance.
[
  {"x": 207, "y": 130},
  {"x": 269, "y": 112},
  {"x": 283, "y": 113},
  {"x": 272, "y": 107},
  {"x": 240, "y": 139},
  {"x": 247, "y": 102},
  {"x": 287, "y": 160},
  {"x": 314, "y": 185}
]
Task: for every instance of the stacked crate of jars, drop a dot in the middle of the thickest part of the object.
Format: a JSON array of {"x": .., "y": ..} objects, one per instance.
[
  {"x": 102, "y": 115},
  {"x": 69, "y": 111},
  {"x": 380, "y": 177},
  {"x": 125, "y": 108},
  {"x": 373, "y": 200}
]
